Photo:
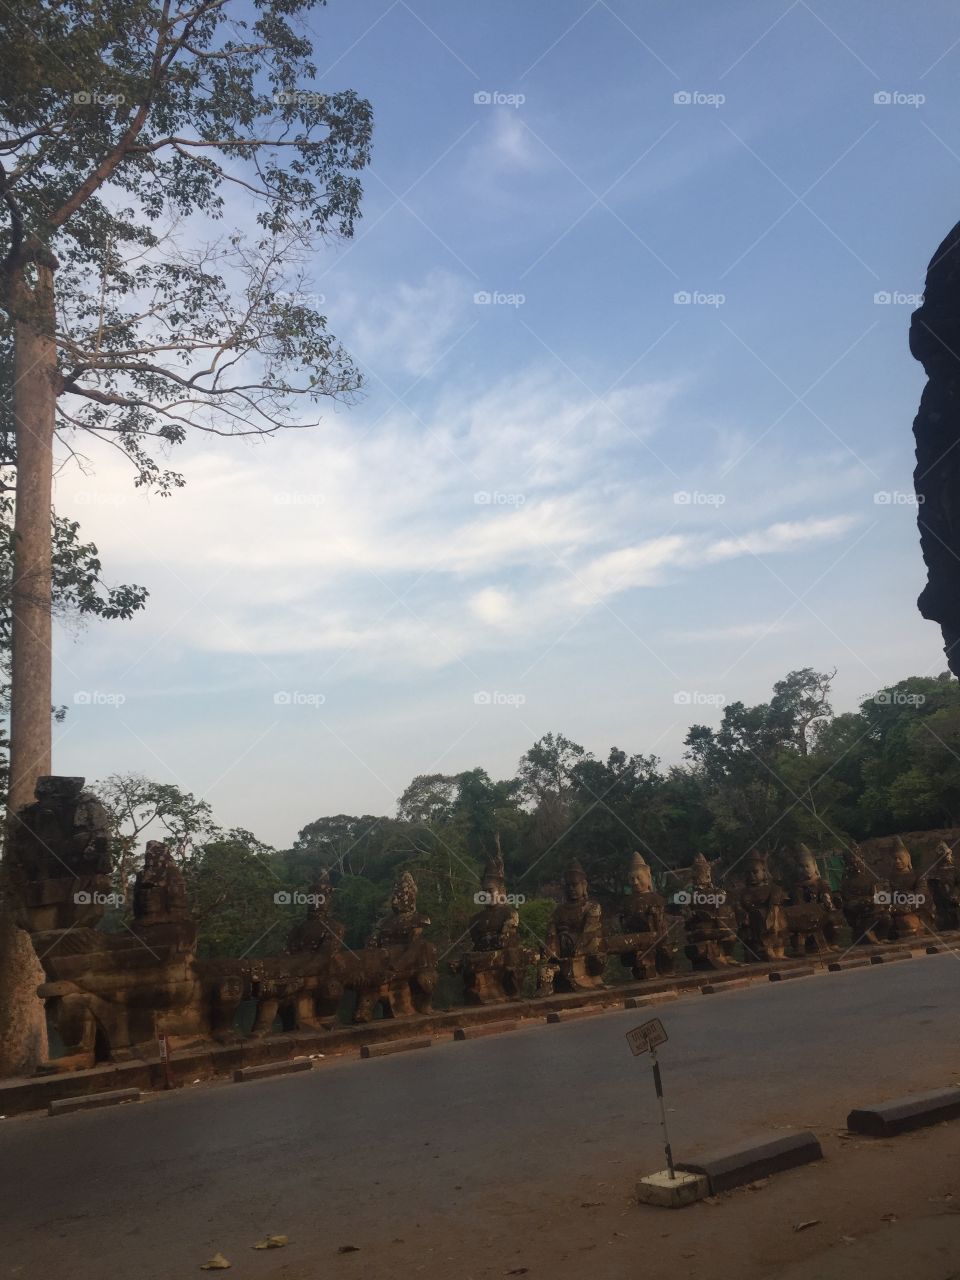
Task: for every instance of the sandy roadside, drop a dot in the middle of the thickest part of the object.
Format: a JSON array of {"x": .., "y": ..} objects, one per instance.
[{"x": 890, "y": 1208}]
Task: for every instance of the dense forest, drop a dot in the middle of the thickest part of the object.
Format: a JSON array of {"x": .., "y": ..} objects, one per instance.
[{"x": 768, "y": 776}]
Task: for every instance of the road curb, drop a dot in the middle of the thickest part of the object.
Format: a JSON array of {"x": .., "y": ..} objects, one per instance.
[
  {"x": 483, "y": 1029},
  {"x": 712, "y": 988},
  {"x": 901, "y": 1115},
  {"x": 88, "y": 1101},
  {"x": 644, "y": 1002},
  {"x": 570, "y": 1015},
  {"x": 890, "y": 957},
  {"x": 268, "y": 1069},
  {"x": 387, "y": 1047},
  {"x": 858, "y": 962},
  {"x": 754, "y": 1159},
  {"x": 784, "y": 975}
]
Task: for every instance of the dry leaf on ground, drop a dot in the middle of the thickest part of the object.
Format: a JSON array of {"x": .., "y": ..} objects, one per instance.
[
  {"x": 217, "y": 1263},
  {"x": 272, "y": 1242}
]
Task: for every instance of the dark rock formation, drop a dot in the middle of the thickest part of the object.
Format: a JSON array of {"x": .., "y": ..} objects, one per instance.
[{"x": 935, "y": 342}]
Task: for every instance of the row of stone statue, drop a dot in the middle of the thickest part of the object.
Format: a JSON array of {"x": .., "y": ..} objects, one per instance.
[
  {"x": 764, "y": 917},
  {"x": 108, "y": 994}
]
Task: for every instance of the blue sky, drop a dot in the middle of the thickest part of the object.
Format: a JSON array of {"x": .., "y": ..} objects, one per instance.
[{"x": 586, "y": 504}]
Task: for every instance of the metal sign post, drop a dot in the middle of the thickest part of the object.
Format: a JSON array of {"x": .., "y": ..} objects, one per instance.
[
  {"x": 644, "y": 1039},
  {"x": 658, "y": 1084},
  {"x": 164, "y": 1045}
]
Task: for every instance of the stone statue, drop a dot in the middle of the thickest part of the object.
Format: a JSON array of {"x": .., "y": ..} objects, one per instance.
[
  {"x": 160, "y": 894},
  {"x": 910, "y": 898},
  {"x": 813, "y": 918},
  {"x": 398, "y": 967},
  {"x": 572, "y": 958},
  {"x": 710, "y": 920},
  {"x": 495, "y": 966},
  {"x": 59, "y": 857},
  {"x": 643, "y": 944},
  {"x": 944, "y": 880},
  {"x": 865, "y": 898},
  {"x": 108, "y": 994},
  {"x": 302, "y": 987},
  {"x": 763, "y": 921}
]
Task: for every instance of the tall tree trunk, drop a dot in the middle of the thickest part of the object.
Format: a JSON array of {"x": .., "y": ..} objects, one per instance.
[
  {"x": 36, "y": 380},
  {"x": 35, "y": 386}
]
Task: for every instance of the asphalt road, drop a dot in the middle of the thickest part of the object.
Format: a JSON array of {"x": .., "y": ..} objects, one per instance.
[{"x": 356, "y": 1152}]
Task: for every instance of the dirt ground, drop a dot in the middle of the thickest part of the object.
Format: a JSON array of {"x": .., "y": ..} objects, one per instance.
[{"x": 884, "y": 1208}]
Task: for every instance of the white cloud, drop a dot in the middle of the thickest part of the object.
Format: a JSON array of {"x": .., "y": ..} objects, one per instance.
[
  {"x": 738, "y": 631},
  {"x": 497, "y": 520},
  {"x": 779, "y": 537},
  {"x": 407, "y": 328}
]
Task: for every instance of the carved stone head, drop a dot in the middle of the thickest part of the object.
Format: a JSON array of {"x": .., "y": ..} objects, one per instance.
[
  {"x": 944, "y": 854},
  {"x": 901, "y": 857},
  {"x": 403, "y": 901},
  {"x": 321, "y": 895},
  {"x": 641, "y": 877},
  {"x": 756, "y": 871},
  {"x": 493, "y": 881},
  {"x": 807, "y": 864},
  {"x": 58, "y": 788},
  {"x": 701, "y": 872},
  {"x": 574, "y": 883}
]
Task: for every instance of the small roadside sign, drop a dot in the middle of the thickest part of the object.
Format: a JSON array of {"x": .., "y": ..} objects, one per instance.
[{"x": 646, "y": 1037}]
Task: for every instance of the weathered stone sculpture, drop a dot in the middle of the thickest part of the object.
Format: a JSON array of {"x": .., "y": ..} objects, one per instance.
[
  {"x": 495, "y": 966},
  {"x": 865, "y": 898},
  {"x": 935, "y": 342},
  {"x": 572, "y": 957},
  {"x": 397, "y": 970},
  {"x": 644, "y": 943},
  {"x": 710, "y": 919},
  {"x": 763, "y": 921},
  {"x": 59, "y": 857},
  {"x": 910, "y": 898},
  {"x": 302, "y": 987},
  {"x": 108, "y": 994},
  {"x": 160, "y": 898},
  {"x": 812, "y": 916},
  {"x": 944, "y": 880}
]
